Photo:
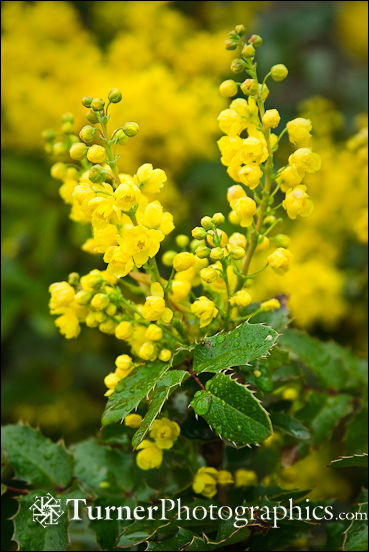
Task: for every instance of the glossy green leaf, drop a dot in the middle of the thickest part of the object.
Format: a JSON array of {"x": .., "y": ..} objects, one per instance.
[
  {"x": 356, "y": 535},
  {"x": 290, "y": 425}
]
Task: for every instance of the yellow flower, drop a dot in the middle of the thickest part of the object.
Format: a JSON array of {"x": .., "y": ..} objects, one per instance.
[
  {"x": 153, "y": 216},
  {"x": 290, "y": 176},
  {"x": 150, "y": 180},
  {"x": 204, "y": 309},
  {"x": 205, "y": 482},
  {"x": 244, "y": 478},
  {"x": 164, "y": 432},
  {"x": 254, "y": 150},
  {"x": 250, "y": 175},
  {"x": 120, "y": 262},
  {"x": 153, "y": 333},
  {"x": 245, "y": 208},
  {"x": 111, "y": 381},
  {"x": 280, "y": 260},
  {"x": 224, "y": 477},
  {"x": 68, "y": 324},
  {"x": 241, "y": 299},
  {"x": 305, "y": 160},
  {"x": 165, "y": 355},
  {"x": 235, "y": 192},
  {"x": 123, "y": 363},
  {"x": 124, "y": 330},
  {"x": 150, "y": 456},
  {"x": 228, "y": 88},
  {"x": 237, "y": 240},
  {"x": 141, "y": 243},
  {"x": 148, "y": 351},
  {"x": 127, "y": 194},
  {"x": 299, "y": 131},
  {"x": 209, "y": 274},
  {"x": 183, "y": 261},
  {"x": 96, "y": 154},
  {"x": 153, "y": 308},
  {"x": 297, "y": 202},
  {"x": 133, "y": 420},
  {"x": 62, "y": 294},
  {"x": 230, "y": 122},
  {"x": 270, "y": 305},
  {"x": 271, "y": 118},
  {"x": 229, "y": 147},
  {"x": 179, "y": 290}
]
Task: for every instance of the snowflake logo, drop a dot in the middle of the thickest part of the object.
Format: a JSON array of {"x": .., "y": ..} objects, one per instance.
[{"x": 46, "y": 510}]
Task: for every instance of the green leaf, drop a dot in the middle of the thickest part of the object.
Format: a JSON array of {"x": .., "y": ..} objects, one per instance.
[
  {"x": 356, "y": 439},
  {"x": 245, "y": 343},
  {"x": 356, "y": 535},
  {"x": 181, "y": 539},
  {"x": 334, "y": 367},
  {"x": 131, "y": 390},
  {"x": 333, "y": 410},
  {"x": 233, "y": 411},
  {"x": 140, "y": 531},
  {"x": 290, "y": 425},
  {"x": 355, "y": 461},
  {"x": 30, "y": 535},
  {"x": 102, "y": 466},
  {"x": 35, "y": 458},
  {"x": 165, "y": 386}
]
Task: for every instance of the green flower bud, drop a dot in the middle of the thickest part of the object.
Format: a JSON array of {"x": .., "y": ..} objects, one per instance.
[
  {"x": 87, "y": 101},
  {"x": 217, "y": 253},
  {"x": 238, "y": 65},
  {"x": 68, "y": 118},
  {"x": 87, "y": 134},
  {"x": 230, "y": 44},
  {"x": 202, "y": 252},
  {"x": 67, "y": 128},
  {"x": 207, "y": 223},
  {"x": 218, "y": 218},
  {"x": 97, "y": 104},
  {"x": 279, "y": 72},
  {"x": 96, "y": 174},
  {"x": 240, "y": 29},
  {"x": 91, "y": 117},
  {"x": 257, "y": 373},
  {"x": 248, "y": 51},
  {"x": 270, "y": 220},
  {"x": 115, "y": 95},
  {"x": 108, "y": 327},
  {"x": 249, "y": 87},
  {"x": 182, "y": 240},
  {"x": 237, "y": 253},
  {"x": 73, "y": 278},
  {"x": 49, "y": 135},
  {"x": 255, "y": 40},
  {"x": 120, "y": 137},
  {"x": 281, "y": 240},
  {"x": 78, "y": 151},
  {"x": 167, "y": 258},
  {"x": 195, "y": 244},
  {"x": 83, "y": 297},
  {"x": 228, "y": 88},
  {"x": 130, "y": 129},
  {"x": 60, "y": 148},
  {"x": 199, "y": 233}
]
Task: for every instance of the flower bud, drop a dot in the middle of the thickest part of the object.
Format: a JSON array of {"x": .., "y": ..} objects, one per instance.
[
  {"x": 165, "y": 355},
  {"x": 73, "y": 278},
  {"x": 87, "y": 134},
  {"x": 199, "y": 233},
  {"x": 96, "y": 154},
  {"x": 91, "y": 117},
  {"x": 279, "y": 72},
  {"x": 167, "y": 258},
  {"x": 120, "y": 137},
  {"x": 97, "y": 104},
  {"x": 230, "y": 44},
  {"x": 240, "y": 29},
  {"x": 96, "y": 174},
  {"x": 238, "y": 65},
  {"x": 217, "y": 254},
  {"x": 238, "y": 253},
  {"x": 58, "y": 170},
  {"x": 83, "y": 297},
  {"x": 195, "y": 244},
  {"x": 248, "y": 51},
  {"x": 256, "y": 40},
  {"x": 249, "y": 87},
  {"x": 115, "y": 95},
  {"x": 206, "y": 223},
  {"x": 182, "y": 240},
  {"x": 209, "y": 275},
  {"x": 263, "y": 91},
  {"x": 218, "y": 218},
  {"x": 78, "y": 151},
  {"x": 270, "y": 220},
  {"x": 67, "y": 128},
  {"x": 49, "y": 135},
  {"x": 67, "y": 118},
  {"x": 99, "y": 301},
  {"x": 228, "y": 88},
  {"x": 87, "y": 101},
  {"x": 60, "y": 148},
  {"x": 281, "y": 240},
  {"x": 130, "y": 129},
  {"x": 202, "y": 252},
  {"x": 183, "y": 261}
]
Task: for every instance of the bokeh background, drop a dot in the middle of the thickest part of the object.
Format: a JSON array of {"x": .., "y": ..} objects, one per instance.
[{"x": 168, "y": 59}]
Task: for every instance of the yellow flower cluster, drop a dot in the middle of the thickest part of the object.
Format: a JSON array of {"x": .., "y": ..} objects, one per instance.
[
  {"x": 164, "y": 433},
  {"x": 207, "y": 479}
]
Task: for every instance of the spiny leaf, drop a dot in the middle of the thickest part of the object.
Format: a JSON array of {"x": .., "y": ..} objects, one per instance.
[
  {"x": 356, "y": 535},
  {"x": 233, "y": 411},
  {"x": 333, "y": 410},
  {"x": 35, "y": 458},
  {"x": 355, "y": 461},
  {"x": 245, "y": 343},
  {"x": 290, "y": 425},
  {"x": 165, "y": 386},
  {"x": 131, "y": 390}
]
